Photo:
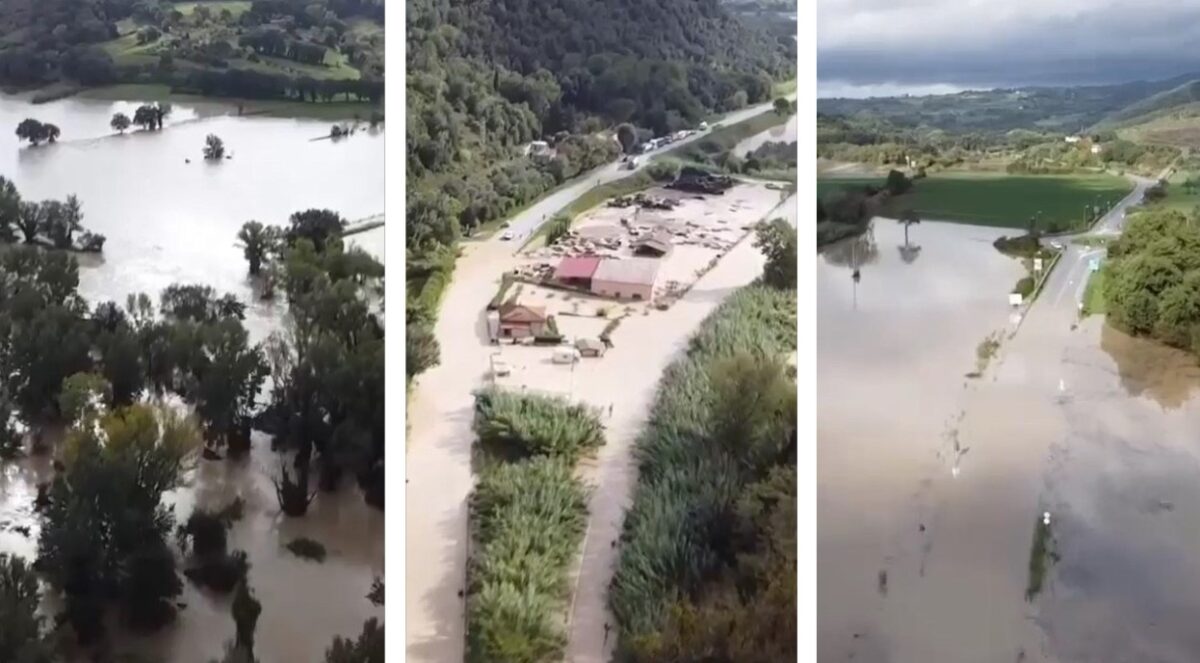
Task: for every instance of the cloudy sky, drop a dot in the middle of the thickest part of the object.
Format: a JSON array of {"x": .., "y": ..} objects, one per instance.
[{"x": 927, "y": 45}]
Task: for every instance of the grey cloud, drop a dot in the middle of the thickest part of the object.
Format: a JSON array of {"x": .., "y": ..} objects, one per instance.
[{"x": 1005, "y": 42}]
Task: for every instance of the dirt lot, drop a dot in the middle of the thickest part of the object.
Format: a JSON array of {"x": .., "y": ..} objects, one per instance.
[{"x": 701, "y": 229}]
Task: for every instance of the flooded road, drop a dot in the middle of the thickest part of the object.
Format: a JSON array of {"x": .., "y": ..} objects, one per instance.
[
  {"x": 1124, "y": 485},
  {"x": 893, "y": 351},
  {"x": 171, "y": 221},
  {"x": 784, "y": 133},
  {"x": 930, "y": 483}
]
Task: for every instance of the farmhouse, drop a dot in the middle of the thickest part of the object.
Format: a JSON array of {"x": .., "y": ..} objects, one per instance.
[
  {"x": 626, "y": 278},
  {"x": 577, "y": 271},
  {"x": 520, "y": 321}
]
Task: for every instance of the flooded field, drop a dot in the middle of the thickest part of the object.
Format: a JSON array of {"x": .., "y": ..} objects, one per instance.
[
  {"x": 893, "y": 350},
  {"x": 172, "y": 218},
  {"x": 930, "y": 483},
  {"x": 784, "y": 133},
  {"x": 168, "y": 220}
]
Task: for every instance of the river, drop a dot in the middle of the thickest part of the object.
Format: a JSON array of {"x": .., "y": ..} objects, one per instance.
[{"x": 170, "y": 217}]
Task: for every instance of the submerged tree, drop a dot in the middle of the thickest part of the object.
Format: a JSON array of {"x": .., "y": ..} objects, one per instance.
[
  {"x": 778, "y": 242},
  {"x": 105, "y": 528},
  {"x": 35, "y": 132},
  {"x": 214, "y": 147},
  {"x": 21, "y": 639},
  {"x": 245, "y": 609},
  {"x": 120, "y": 122},
  {"x": 908, "y": 218},
  {"x": 257, "y": 242}
]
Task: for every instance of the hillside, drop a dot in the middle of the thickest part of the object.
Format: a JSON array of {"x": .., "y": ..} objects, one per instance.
[
  {"x": 1059, "y": 109},
  {"x": 306, "y": 50},
  {"x": 486, "y": 78},
  {"x": 1153, "y": 106}
]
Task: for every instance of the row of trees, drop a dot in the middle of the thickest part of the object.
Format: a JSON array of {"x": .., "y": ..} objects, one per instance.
[
  {"x": 36, "y": 132},
  {"x": 327, "y": 400},
  {"x": 56, "y": 223}
]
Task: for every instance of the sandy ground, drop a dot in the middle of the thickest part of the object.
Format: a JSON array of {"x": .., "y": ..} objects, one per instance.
[
  {"x": 703, "y": 229},
  {"x": 439, "y": 479}
]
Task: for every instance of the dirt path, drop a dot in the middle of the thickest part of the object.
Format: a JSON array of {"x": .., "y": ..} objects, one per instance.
[{"x": 439, "y": 480}]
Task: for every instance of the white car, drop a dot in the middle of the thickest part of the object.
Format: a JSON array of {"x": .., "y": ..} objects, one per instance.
[
  {"x": 507, "y": 235},
  {"x": 1056, "y": 245},
  {"x": 500, "y": 368}
]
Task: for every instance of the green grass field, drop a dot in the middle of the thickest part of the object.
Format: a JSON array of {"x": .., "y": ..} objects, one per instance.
[
  {"x": 332, "y": 111},
  {"x": 1178, "y": 198},
  {"x": 1006, "y": 201}
]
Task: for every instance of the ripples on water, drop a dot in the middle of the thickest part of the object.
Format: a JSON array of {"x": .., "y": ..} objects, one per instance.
[{"x": 168, "y": 221}]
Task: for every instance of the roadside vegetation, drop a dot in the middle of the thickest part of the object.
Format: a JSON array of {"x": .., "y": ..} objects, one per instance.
[
  {"x": 1041, "y": 557},
  {"x": 1094, "y": 300},
  {"x": 707, "y": 566},
  {"x": 483, "y": 85},
  {"x": 1151, "y": 280},
  {"x": 528, "y": 516}
]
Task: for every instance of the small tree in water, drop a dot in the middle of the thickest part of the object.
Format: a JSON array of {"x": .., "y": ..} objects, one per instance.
[
  {"x": 256, "y": 241},
  {"x": 120, "y": 122},
  {"x": 214, "y": 148},
  {"x": 246, "y": 610}
]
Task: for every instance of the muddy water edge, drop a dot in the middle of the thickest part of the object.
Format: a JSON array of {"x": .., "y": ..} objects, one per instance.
[{"x": 172, "y": 218}]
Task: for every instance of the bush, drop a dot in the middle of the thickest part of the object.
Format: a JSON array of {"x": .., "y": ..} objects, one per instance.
[
  {"x": 1024, "y": 287},
  {"x": 558, "y": 227},
  {"x": 220, "y": 574},
  {"x": 664, "y": 170},
  {"x": 529, "y": 519},
  {"x": 306, "y": 548},
  {"x": 685, "y": 536},
  {"x": 522, "y": 425}
]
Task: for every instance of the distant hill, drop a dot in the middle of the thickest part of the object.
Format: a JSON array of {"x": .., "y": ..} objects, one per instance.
[
  {"x": 1059, "y": 109},
  {"x": 1153, "y": 106}
]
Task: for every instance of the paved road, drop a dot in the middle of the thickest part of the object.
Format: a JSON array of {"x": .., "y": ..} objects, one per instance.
[
  {"x": 438, "y": 474},
  {"x": 527, "y": 222},
  {"x": 1066, "y": 285}
]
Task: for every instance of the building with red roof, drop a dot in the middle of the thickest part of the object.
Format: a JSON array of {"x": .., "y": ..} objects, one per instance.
[{"x": 577, "y": 271}]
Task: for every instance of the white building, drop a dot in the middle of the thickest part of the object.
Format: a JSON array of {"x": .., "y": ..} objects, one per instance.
[{"x": 1072, "y": 139}]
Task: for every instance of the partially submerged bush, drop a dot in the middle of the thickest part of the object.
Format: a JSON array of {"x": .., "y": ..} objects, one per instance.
[
  {"x": 518, "y": 425},
  {"x": 306, "y": 548},
  {"x": 529, "y": 519}
]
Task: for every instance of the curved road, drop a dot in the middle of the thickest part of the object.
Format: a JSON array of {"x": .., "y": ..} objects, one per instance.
[{"x": 439, "y": 480}]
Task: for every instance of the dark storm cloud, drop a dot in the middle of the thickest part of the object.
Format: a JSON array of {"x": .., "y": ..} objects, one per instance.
[{"x": 1005, "y": 42}]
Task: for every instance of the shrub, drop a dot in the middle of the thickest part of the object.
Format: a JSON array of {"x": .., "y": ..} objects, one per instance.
[
  {"x": 685, "y": 536},
  {"x": 523, "y": 425},
  {"x": 306, "y": 548},
  {"x": 1024, "y": 286},
  {"x": 529, "y": 519}
]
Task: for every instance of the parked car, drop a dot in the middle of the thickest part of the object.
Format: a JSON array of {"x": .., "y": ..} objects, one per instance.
[
  {"x": 565, "y": 355},
  {"x": 500, "y": 368},
  {"x": 507, "y": 235},
  {"x": 1058, "y": 246}
]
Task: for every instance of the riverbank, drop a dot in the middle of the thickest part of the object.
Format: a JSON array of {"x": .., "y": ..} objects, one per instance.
[{"x": 329, "y": 110}]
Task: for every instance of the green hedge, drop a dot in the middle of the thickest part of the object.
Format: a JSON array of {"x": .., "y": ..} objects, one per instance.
[
  {"x": 529, "y": 519},
  {"x": 515, "y": 425},
  {"x": 686, "y": 478}
]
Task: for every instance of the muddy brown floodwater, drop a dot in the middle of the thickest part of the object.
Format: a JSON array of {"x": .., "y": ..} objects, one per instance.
[
  {"x": 1125, "y": 484},
  {"x": 893, "y": 350},
  {"x": 172, "y": 218}
]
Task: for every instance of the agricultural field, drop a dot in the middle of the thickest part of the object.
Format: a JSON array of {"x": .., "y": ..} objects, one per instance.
[{"x": 1006, "y": 201}]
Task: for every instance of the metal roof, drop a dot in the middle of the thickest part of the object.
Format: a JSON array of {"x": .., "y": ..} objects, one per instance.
[
  {"x": 519, "y": 313},
  {"x": 577, "y": 268},
  {"x": 641, "y": 271}
]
